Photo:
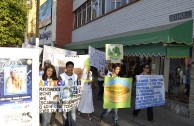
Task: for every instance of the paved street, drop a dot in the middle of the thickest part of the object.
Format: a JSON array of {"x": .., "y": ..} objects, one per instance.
[{"x": 162, "y": 117}]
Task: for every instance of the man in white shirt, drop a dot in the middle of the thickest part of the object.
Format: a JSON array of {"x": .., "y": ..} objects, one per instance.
[{"x": 70, "y": 79}]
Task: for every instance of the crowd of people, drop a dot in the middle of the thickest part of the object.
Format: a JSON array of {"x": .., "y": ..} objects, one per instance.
[{"x": 86, "y": 102}]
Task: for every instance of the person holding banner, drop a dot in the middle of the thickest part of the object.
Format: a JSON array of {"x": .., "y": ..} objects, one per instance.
[
  {"x": 146, "y": 71},
  {"x": 86, "y": 102},
  {"x": 49, "y": 74},
  {"x": 100, "y": 84},
  {"x": 70, "y": 78},
  {"x": 115, "y": 71}
]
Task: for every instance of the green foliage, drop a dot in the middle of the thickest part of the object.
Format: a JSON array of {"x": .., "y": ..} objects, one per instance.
[{"x": 13, "y": 17}]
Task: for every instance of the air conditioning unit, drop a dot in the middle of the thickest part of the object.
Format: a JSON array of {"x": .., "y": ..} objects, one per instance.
[{"x": 29, "y": 4}]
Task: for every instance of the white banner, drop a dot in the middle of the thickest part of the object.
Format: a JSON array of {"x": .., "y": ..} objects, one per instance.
[
  {"x": 56, "y": 56},
  {"x": 149, "y": 91},
  {"x": 24, "y": 45},
  {"x": 97, "y": 58},
  {"x": 19, "y": 100}
]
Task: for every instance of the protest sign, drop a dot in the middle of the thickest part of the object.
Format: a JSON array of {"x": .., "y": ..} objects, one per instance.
[
  {"x": 62, "y": 95},
  {"x": 149, "y": 91},
  {"x": 56, "y": 57},
  {"x": 24, "y": 45},
  {"x": 114, "y": 52},
  {"x": 117, "y": 92},
  {"x": 97, "y": 58},
  {"x": 18, "y": 98},
  {"x": 58, "y": 96}
]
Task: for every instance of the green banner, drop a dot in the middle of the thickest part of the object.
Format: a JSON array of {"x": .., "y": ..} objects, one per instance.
[{"x": 117, "y": 92}]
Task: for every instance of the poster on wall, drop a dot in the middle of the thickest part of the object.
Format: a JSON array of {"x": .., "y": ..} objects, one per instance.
[
  {"x": 117, "y": 92},
  {"x": 45, "y": 13},
  {"x": 149, "y": 91},
  {"x": 114, "y": 52},
  {"x": 18, "y": 98},
  {"x": 64, "y": 96},
  {"x": 97, "y": 58}
]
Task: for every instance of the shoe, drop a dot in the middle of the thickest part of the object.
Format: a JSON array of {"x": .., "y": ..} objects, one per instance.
[
  {"x": 152, "y": 121},
  {"x": 133, "y": 116},
  {"x": 115, "y": 124},
  {"x": 101, "y": 117}
]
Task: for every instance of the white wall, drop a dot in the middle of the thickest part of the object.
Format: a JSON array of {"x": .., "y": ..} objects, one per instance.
[
  {"x": 51, "y": 27},
  {"x": 143, "y": 14},
  {"x": 77, "y": 3}
]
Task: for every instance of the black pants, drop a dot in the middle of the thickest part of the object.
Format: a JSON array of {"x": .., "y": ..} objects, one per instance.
[
  {"x": 101, "y": 88},
  {"x": 149, "y": 113}
]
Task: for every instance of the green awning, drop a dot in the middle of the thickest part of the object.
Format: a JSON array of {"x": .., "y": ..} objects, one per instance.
[
  {"x": 178, "y": 51},
  {"x": 180, "y": 33},
  {"x": 145, "y": 49}
]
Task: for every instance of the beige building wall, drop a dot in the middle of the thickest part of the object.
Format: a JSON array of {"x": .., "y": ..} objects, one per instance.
[{"x": 31, "y": 22}]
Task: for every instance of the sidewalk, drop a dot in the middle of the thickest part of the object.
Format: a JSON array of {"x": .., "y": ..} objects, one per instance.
[{"x": 162, "y": 117}]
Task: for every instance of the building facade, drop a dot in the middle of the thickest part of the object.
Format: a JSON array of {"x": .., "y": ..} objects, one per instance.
[{"x": 148, "y": 28}]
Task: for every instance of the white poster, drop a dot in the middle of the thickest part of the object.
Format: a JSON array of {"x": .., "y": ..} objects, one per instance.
[
  {"x": 149, "y": 91},
  {"x": 18, "y": 87},
  {"x": 114, "y": 52},
  {"x": 24, "y": 45},
  {"x": 97, "y": 58},
  {"x": 56, "y": 56},
  {"x": 58, "y": 95}
]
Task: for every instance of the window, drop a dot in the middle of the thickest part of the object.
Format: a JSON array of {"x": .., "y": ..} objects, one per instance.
[
  {"x": 84, "y": 14},
  {"x": 89, "y": 11},
  {"x": 93, "y": 9},
  {"x": 75, "y": 19},
  {"x": 79, "y": 16},
  {"x": 179, "y": 79},
  {"x": 101, "y": 7},
  {"x": 110, "y": 5}
]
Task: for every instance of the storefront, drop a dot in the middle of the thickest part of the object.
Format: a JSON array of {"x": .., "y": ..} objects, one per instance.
[{"x": 167, "y": 48}]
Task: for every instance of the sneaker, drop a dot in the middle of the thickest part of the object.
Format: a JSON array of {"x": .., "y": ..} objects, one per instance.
[
  {"x": 152, "y": 121},
  {"x": 115, "y": 124},
  {"x": 101, "y": 117}
]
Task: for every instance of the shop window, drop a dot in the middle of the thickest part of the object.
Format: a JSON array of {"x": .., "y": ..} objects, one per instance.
[{"x": 179, "y": 79}]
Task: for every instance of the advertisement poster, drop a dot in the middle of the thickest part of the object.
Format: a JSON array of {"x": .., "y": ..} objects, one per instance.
[
  {"x": 17, "y": 75},
  {"x": 97, "y": 58},
  {"x": 114, "y": 52},
  {"x": 149, "y": 91},
  {"x": 61, "y": 96},
  {"x": 45, "y": 13},
  {"x": 117, "y": 92}
]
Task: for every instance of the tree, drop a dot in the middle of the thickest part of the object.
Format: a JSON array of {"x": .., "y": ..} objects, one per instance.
[{"x": 13, "y": 17}]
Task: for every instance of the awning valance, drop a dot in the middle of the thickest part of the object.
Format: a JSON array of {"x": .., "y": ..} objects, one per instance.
[{"x": 180, "y": 33}]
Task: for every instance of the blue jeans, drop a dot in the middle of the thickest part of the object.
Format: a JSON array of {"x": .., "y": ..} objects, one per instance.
[
  {"x": 71, "y": 119},
  {"x": 46, "y": 118},
  {"x": 114, "y": 115}
]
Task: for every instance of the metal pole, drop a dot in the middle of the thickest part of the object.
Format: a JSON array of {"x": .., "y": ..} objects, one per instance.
[{"x": 37, "y": 18}]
